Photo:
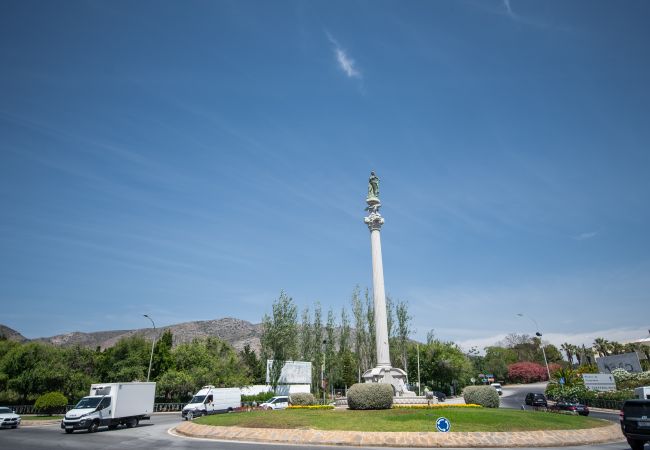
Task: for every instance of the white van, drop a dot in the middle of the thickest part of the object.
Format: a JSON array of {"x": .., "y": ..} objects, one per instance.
[{"x": 211, "y": 400}]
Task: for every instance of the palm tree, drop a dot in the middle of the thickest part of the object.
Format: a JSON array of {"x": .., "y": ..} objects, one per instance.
[
  {"x": 616, "y": 348},
  {"x": 602, "y": 346},
  {"x": 569, "y": 349},
  {"x": 587, "y": 355}
]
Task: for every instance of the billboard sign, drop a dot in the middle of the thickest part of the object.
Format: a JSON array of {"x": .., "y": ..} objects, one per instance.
[
  {"x": 627, "y": 361},
  {"x": 293, "y": 372},
  {"x": 599, "y": 381}
]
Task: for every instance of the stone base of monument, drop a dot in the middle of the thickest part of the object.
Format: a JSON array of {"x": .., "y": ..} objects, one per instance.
[{"x": 391, "y": 375}]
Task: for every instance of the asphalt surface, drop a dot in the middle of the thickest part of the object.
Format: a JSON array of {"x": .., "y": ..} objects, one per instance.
[{"x": 514, "y": 396}]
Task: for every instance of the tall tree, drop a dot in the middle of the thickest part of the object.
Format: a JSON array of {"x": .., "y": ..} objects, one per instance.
[
  {"x": 403, "y": 332},
  {"x": 306, "y": 338},
  {"x": 330, "y": 333},
  {"x": 569, "y": 350},
  {"x": 317, "y": 345},
  {"x": 602, "y": 346},
  {"x": 372, "y": 343},
  {"x": 162, "y": 355},
  {"x": 346, "y": 358},
  {"x": 360, "y": 327},
  {"x": 254, "y": 365},
  {"x": 279, "y": 332}
]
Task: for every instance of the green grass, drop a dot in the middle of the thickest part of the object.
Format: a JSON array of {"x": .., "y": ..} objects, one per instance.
[
  {"x": 483, "y": 419},
  {"x": 41, "y": 417}
]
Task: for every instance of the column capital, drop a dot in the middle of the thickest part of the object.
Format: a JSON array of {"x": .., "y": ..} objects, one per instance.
[{"x": 374, "y": 221}]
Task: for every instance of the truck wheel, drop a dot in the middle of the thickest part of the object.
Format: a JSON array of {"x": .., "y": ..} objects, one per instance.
[
  {"x": 634, "y": 444},
  {"x": 67, "y": 431},
  {"x": 93, "y": 427},
  {"x": 190, "y": 415},
  {"x": 132, "y": 423}
]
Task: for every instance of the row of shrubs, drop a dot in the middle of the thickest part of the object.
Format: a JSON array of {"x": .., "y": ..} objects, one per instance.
[
  {"x": 380, "y": 396},
  {"x": 361, "y": 396}
]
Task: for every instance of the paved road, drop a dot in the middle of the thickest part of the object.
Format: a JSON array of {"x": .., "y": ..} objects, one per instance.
[
  {"x": 514, "y": 395},
  {"x": 153, "y": 435}
]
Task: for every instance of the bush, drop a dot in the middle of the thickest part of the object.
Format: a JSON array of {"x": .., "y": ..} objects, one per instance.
[
  {"x": 302, "y": 399},
  {"x": 587, "y": 368},
  {"x": 526, "y": 372},
  {"x": 258, "y": 398},
  {"x": 630, "y": 380},
  {"x": 370, "y": 396},
  {"x": 485, "y": 396},
  {"x": 51, "y": 402}
]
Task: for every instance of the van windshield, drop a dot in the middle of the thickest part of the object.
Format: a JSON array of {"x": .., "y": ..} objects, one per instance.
[
  {"x": 88, "y": 402},
  {"x": 198, "y": 399}
]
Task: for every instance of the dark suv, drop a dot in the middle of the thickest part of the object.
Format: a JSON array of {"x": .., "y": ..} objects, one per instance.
[
  {"x": 635, "y": 422},
  {"x": 535, "y": 399}
]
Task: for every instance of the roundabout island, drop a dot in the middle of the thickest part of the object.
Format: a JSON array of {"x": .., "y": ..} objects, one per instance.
[{"x": 469, "y": 427}]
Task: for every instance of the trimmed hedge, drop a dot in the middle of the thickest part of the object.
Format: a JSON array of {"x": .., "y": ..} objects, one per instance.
[
  {"x": 370, "y": 396},
  {"x": 51, "y": 402},
  {"x": 485, "y": 396},
  {"x": 259, "y": 398},
  {"x": 302, "y": 399}
]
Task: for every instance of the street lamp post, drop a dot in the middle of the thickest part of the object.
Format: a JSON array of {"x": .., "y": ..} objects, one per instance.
[
  {"x": 418, "y": 347},
  {"x": 541, "y": 344},
  {"x": 322, "y": 371},
  {"x": 152, "y": 344}
]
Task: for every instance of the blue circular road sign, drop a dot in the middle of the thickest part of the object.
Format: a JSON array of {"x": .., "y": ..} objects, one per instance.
[{"x": 443, "y": 424}]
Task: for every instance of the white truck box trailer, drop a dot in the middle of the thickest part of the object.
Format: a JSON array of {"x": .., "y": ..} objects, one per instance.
[
  {"x": 111, "y": 404},
  {"x": 642, "y": 393}
]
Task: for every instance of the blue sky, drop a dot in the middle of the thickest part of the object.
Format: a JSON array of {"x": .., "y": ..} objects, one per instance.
[{"x": 191, "y": 159}]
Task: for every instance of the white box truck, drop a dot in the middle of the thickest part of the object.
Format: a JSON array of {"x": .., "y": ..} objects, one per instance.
[
  {"x": 212, "y": 400},
  {"x": 642, "y": 393},
  {"x": 111, "y": 404}
]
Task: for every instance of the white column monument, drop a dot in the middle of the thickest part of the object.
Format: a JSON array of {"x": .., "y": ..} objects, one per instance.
[{"x": 383, "y": 372}]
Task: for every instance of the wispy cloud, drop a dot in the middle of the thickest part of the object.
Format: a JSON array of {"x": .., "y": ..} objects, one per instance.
[
  {"x": 506, "y": 4},
  {"x": 585, "y": 236},
  {"x": 346, "y": 63}
]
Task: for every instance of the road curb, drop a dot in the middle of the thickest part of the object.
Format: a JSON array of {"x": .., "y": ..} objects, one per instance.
[{"x": 554, "y": 438}]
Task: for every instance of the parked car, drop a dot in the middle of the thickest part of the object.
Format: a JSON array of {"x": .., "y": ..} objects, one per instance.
[
  {"x": 579, "y": 408},
  {"x": 280, "y": 402},
  {"x": 8, "y": 418},
  {"x": 497, "y": 386},
  {"x": 536, "y": 399}
]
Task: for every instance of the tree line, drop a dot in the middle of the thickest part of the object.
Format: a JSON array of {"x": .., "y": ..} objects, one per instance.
[{"x": 341, "y": 344}]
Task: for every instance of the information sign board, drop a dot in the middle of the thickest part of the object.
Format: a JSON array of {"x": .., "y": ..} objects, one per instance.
[{"x": 599, "y": 381}]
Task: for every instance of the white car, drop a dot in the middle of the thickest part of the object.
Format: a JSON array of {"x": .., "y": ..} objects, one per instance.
[
  {"x": 8, "y": 418},
  {"x": 281, "y": 402},
  {"x": 497, "y": 386}
]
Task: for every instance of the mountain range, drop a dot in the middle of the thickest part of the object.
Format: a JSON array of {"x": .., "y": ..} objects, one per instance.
[{"x": 236, "y": 332}]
